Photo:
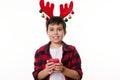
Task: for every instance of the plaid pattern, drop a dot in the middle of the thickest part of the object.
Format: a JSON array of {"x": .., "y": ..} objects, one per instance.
[{"x": 70, "y": 59}]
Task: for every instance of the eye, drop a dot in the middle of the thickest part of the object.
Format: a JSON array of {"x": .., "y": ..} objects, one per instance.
[
  {"x": 60, "y": 29},
  {"x": 51, "y": 29}
]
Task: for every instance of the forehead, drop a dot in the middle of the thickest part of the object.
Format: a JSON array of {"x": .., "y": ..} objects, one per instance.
[{"x": 53, "y": 25}]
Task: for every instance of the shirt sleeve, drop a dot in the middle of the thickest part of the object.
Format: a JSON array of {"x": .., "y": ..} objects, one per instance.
[
  {"x": 76, "y": 62},
  {"x": 38, "y": 65}
]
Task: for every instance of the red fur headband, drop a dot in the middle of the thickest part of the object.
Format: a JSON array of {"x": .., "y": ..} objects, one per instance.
[{"x": 65, "y": 10}]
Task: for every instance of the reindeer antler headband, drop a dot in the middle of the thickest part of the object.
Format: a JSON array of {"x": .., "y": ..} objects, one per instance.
[{"x": 65, "y": 10}]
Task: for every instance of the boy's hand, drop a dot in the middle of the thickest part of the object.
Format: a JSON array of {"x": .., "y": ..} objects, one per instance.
[
  {"x": 59, "y": 67},
  {"x": 49, "y": 67},
  {"x": 54, "y": 65}
]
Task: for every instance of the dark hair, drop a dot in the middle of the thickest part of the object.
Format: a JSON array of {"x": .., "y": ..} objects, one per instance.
[{"x": 56, "y": 20}]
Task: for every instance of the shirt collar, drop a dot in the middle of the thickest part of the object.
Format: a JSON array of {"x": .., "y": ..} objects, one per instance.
[{"x": 65, "y": 47}]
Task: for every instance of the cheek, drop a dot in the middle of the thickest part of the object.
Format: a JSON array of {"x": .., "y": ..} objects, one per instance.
[
  {"x": 49, "y": 33},
  {"x": 62, "y": 35},
  {"x": 61, "y": 32}
]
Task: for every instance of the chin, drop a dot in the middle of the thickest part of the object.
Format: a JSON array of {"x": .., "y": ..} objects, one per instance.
[{"x": 56, "y": 41}]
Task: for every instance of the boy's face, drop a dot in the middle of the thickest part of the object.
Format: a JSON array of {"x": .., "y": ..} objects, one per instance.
[{"x": 55, "y": 32}]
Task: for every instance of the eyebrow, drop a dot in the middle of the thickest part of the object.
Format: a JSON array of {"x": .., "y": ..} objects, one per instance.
[{"x": 55, "y": 27}]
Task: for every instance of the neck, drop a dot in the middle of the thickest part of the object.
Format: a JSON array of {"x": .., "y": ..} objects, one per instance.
[{"x": 55, "y": 45}]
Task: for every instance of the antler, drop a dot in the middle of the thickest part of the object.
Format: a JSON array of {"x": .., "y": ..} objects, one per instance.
[
  {"x": 64, "y": 11},
  {"x": 48, "y": 9}
]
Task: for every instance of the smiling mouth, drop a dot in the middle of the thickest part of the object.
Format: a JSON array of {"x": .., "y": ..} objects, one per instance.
[{"x": 56, "y": 37}]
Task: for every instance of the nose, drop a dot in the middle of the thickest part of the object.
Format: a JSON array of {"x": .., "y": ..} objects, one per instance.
[{"x": 55, "y": 31}]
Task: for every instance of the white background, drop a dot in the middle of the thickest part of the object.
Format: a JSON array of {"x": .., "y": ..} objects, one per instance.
[{"x": 94, "y": 29}]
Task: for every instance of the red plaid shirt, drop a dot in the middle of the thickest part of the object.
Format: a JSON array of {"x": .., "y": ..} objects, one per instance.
[{"x": 70, "y": 59}]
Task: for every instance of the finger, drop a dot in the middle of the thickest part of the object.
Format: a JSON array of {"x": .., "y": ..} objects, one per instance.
[
  {"x": 59, "y": 68},
  {"x": 58, "y": 64},
  {"x": 47, "y": 61},
  {"x": 50, "y": 63},
  {"x": 50, "y": 72},
  {"x": 51, "y": 67}
]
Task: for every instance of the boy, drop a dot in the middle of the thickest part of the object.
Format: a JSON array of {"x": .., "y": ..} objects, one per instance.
[{"x": 69, "y": 65}]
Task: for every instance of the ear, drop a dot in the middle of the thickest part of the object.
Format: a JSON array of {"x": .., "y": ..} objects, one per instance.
[
  {"x": 64, "y": 33},
  {"x": 46, "y": 32}
]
